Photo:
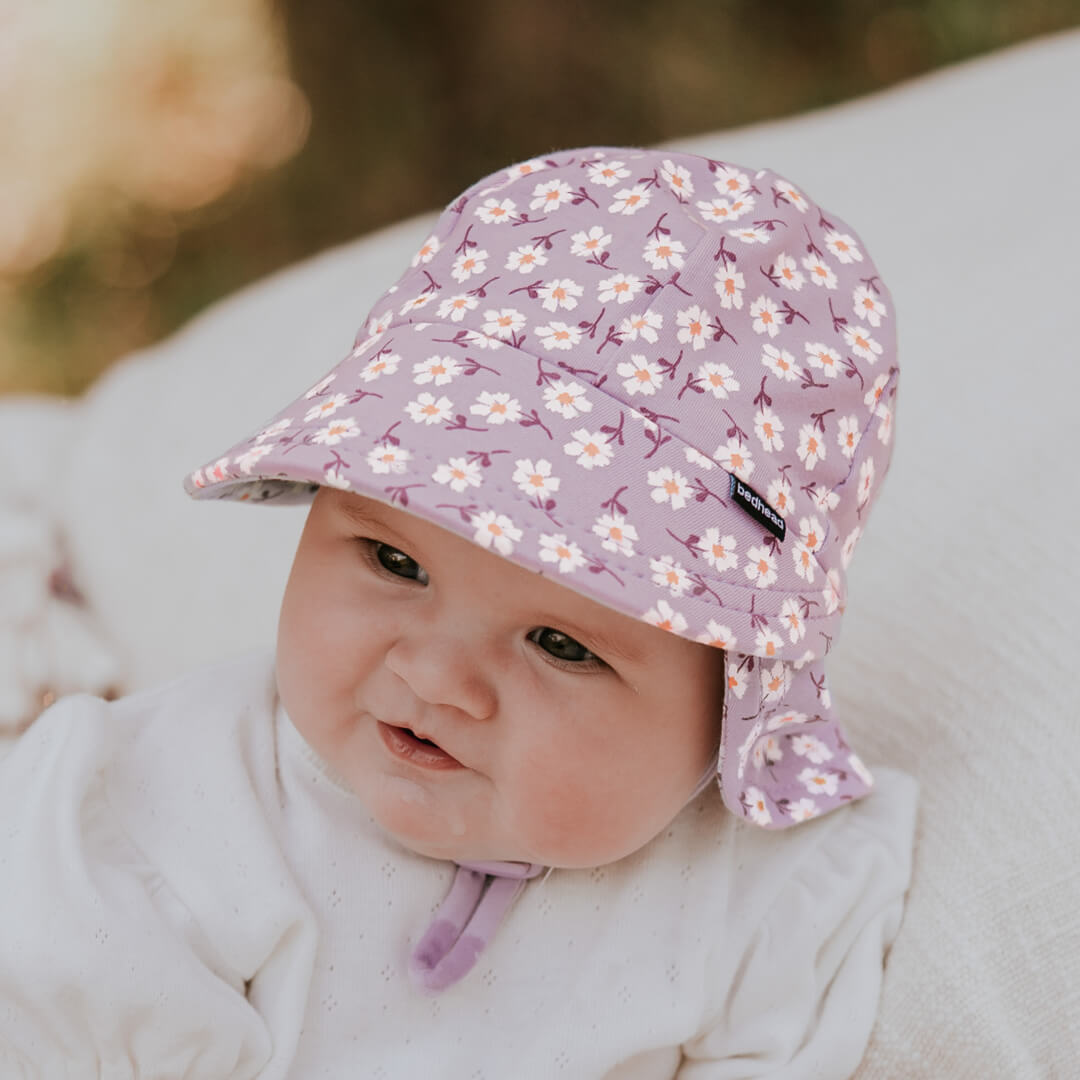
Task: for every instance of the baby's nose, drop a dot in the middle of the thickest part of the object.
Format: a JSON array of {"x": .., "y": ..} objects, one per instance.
[{"x": 441, "y": 669}]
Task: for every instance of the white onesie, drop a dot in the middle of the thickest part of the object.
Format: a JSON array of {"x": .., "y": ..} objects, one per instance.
[{"x": 188, "y": 892}]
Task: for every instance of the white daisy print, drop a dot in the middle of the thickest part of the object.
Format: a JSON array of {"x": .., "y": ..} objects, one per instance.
[
  {"x": 735, "y": 456},
  {"x": 868, "y": 305},
  {"x": 861, "y": 343},
  {"x": 497, "y": 408},
  {"x": 564, "y": 553},
  {"x": 335, "y": 478},
  {"x": 534, "y": 477},
  {"x": 775, "y": 680},
  {"x": 526, "y": 168},
  {"x": 768, "y": 643},
  {"x": 764, "y": 313},
  {"x": 669, "y": 574},
  {"x": 873, "y": 395},
  {"x": 416, "y": 303},
  {"x": 811, "y": 448},
  {"x": 590, "y": 450},
  {"x": 730, "y": 182},
  {"x": 819, "y": 271},
  {"x": 495, "y": 530},
  {"x": 753, "y": 235},
  {"x": 276, "y": 428},
  {"x": 780, "y": 362},
  {"x": 801, "y": 810},
  {"x": 388, "y": 458},
  {"x": 428, "y": 250},
  {"x": 662, "y": 253},
  {"x": 831, "y": 596},
  {"x": 620, "y": 287},
  {"x": 805, "y": 564},
  {"x": 729, "y": 285},
  {"x": 779, "y": 497},
  {"x": 760, "y": 567},
  {"x": 823, "y": 358},
  {"x": 811, "y": 748},
  {"x": 380, "y": 365},
  {"x": 502, "y": 322},
  {"x": 719, "y": 550},
  {"x": 691, "y": 323},
  {"x": 459, "y": 473},
  {"x": 718, "y": 378},
  {"x": 848, "y": 435},
  {"x": 644, "y": 326},
  {"x": 787, "y": 270},
  {"x": 790, "y": 718},
  {"x": 550, "y": 195},
  {"x": 589, "y": 243},
  {"x": 792, "y": 194},
  {"x": 252, "y": 456},
  {"x": 606, "y": 173},
  {"x": 558, "y": 335},
  {"x": 467, "y": 264},
  {"x": 668, "y": 485},
  {"x": 767, "y": 751},
  {"x": 664, "y": 616},
  {"x": 494, "y": 211},
  {"x": 640, "y": 376},
  {"x": 847, "y": 550},
  {"x": 768, "y": 427},
  {"x": 792, "y": 621},
  {"x": 321, "y": 385},
  {"x": 695, "y": 457},
  {"x": 756, "y": 807},
  {"x": 818, "y": 782},
  {"x": 866, "y": 480},
  {"x": 630, "y": 200},
  {"x": 567, "y": 399},
  {"x": 427, "y": 410},
  {"x": 481, "y": 341},
  {"x": 722, "y": 211},
  {"x": 342, "y": 428},
  {"x": 885, "y": 422},
  {"x": 455, "y": 307},
  {"x": 843, "y": 247},
  {"x": 560, "y": 293},
  {"x": 616, "y": 533},
  {"x": 526, "y": 258},
  {"x": 737, "y": 681},
  {"x": 435, "y": 369},
  {"x": 717, "y": 635},
  {"x": 676, "y": 177}
]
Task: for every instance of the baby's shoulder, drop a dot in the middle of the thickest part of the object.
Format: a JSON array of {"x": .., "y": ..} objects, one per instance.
[{"x": 748, "y": 871}]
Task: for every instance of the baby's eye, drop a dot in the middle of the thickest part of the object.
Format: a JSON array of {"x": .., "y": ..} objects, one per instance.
[
  {"x": 561, "y": 646},
  {"x": 399, "y": 564}
]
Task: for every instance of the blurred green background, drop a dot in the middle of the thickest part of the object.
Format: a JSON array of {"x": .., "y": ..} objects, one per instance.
[{"x": 356, "y": 114}]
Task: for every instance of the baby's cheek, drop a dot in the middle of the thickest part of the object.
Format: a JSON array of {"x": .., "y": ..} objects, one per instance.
[{"x": 575, "y": 822}]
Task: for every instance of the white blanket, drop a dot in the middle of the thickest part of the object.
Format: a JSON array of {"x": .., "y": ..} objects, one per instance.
[{"x": 965, "y": 592}]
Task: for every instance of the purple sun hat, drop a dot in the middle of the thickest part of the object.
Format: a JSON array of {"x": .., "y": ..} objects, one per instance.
[{"x": 665, "y": 381}]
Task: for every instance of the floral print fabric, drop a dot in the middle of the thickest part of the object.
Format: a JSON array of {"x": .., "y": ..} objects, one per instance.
[{"x": 580, "y": 360}]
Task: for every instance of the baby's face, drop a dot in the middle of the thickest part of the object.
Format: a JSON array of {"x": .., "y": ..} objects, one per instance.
[{"x": 564, "y": 733}]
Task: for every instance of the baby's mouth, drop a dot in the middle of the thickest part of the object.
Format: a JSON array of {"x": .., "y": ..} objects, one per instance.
[{"x": 406, "y": 745}]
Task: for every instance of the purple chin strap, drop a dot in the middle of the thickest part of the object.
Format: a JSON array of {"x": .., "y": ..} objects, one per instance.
[{"x": 466, "y": 921}]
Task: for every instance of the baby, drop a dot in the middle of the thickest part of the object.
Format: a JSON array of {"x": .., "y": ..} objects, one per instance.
[{"x": 513, "y": 798}]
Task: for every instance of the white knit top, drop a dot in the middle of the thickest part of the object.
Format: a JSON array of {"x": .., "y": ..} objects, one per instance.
[{"x": 186, "y": 891}]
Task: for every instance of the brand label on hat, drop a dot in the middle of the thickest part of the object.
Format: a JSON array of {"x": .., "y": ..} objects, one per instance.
[{"x": 756, "y": 507}]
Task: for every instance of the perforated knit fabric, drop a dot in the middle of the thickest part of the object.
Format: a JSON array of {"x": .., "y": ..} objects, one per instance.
[{"x": 190, "y": 838}]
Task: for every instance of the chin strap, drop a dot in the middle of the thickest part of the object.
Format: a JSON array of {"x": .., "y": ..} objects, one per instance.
[{"x": 478, "y": 900}]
